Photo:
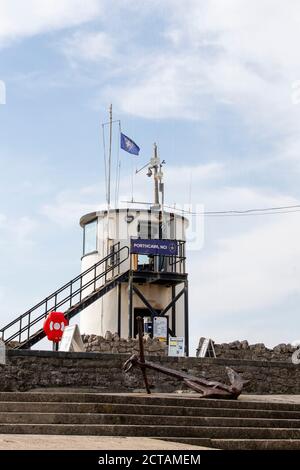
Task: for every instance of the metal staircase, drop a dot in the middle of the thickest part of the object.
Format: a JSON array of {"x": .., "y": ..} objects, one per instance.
[{"x": 72, "y": 298}]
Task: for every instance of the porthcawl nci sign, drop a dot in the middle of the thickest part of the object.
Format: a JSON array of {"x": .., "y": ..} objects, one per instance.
[{"x": 154, "y": 247}]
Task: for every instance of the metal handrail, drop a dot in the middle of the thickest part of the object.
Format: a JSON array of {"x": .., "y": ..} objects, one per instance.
[
  {"x": 117, "y": 260},
  {"x": 174, "y": 260}
]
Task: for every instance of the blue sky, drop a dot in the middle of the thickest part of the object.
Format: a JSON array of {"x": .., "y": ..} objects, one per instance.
[{"x": 215, "y": 84}]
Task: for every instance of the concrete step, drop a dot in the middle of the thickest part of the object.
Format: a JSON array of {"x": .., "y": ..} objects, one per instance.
[
  {"x": 145, "y": 400},
  {"x": 240, "y": 444},
  {"x": 197, "y": 441},
  {"x": 153, "y": 431},
  {"x": 114, "y": 408},
  {"x": 140, "y": 420},
  {"x": 256, "y": 444}
]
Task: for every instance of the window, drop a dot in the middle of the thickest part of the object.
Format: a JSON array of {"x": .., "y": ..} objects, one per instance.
[
  {"x": 90, "y": 237},
  {"x": 148, "y": 230}
]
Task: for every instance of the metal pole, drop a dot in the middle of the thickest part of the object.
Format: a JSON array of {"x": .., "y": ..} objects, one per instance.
[
  {"x": 109, "y": 156},
  {"x": 130, "y": 295},
  {"x": 186, "y": 317},
  {"x": 142, "y": 356},
  {"x": 119, "y": 310},
  {"x": 156, "y": 192},
  {"x": 173, "y": 312}
]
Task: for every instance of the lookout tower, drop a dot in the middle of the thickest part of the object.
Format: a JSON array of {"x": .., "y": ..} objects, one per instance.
[
  {"x": 139, "y": 254},
  {"x": 133, "y": 264}
]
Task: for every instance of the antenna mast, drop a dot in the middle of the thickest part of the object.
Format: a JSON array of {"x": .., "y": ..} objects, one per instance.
[
  {"x": 154, "y": 162},
  {"x": 155, "y": 170}
]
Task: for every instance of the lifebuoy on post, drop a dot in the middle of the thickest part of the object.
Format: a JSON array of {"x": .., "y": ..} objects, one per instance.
[{"x": 54, "y": 326}]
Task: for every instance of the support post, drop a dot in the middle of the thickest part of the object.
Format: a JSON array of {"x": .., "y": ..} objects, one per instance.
[
  {"x": 186, "y": 317},
  {"x": 130, "y": 306},
  {"x": 119, "y": 309},
  {"x": 142, "y": 356},
  {"x": 173, "y": 312}
]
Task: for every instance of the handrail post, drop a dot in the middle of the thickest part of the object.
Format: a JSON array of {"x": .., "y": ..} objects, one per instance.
[
  {"x": 80, "y": 289},
  {"x": 71, "y": 293},
  {"x": 20, "y": 334},
  {"x": 28, "y": 328}
]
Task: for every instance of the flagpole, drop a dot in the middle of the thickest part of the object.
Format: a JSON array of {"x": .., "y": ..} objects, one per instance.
[{"x": 109, "y": 156}]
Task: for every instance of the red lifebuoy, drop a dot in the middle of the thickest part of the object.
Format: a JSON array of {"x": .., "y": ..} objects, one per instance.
[{"x": 54, "y": 326}]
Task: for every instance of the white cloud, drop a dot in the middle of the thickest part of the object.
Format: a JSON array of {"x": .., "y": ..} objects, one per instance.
[
  {"x": 162, "y": 85},
  {"x": 215, "y": 53},
  {"x": 17, "y": 231},
  {"x": 69, "y": 206},
  {"x": 19, "y": 18},
  {"x": 3, "y": 219},
  {"x": 251, "y": 271},
  {"x": 89, "y": 46},
  {"x": 205, "y": 173}
]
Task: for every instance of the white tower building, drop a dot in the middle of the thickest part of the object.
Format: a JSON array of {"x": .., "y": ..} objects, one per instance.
[{"x": 139, "y": 263}]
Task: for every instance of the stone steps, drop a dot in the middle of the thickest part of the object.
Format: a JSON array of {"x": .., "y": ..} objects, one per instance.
[
  {"x": 240, "y": 444},
  {"x": 143, "y": 399},
  {"x": 161, "y": 431},
  {"x": 256, "y": 444},
  {"x": 222, "y": 424},
  {"x": 166, "y": 410},
  {"x": 143, "y": 420}
]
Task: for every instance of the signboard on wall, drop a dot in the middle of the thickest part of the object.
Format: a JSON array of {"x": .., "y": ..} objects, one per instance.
[
  {"x": 205, "y": 348},
  {"x": 176, "y": 346},
  {"x": 71, "y": 340},
  {"x": 154, "y": 247},
  {"x": 160, "y": 328}
]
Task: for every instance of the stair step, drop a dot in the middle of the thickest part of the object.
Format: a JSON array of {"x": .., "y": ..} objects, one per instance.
[
  {"x": 167, "y": 410},
  {"x": 150, "y": 430},
  {"x": 139, "y": 420},
  {"x": 197, "y": 441},
  {"x": 239, "y": 444},
  {"x": 145, "y": 400},
  {"x": 256, "y": 444}
]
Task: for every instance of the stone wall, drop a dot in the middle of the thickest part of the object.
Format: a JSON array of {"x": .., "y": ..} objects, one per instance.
[
  {"x": 26, "y": 370},
  {"x": 244, "y": 350},
  {"x": 112, "y": 343}
]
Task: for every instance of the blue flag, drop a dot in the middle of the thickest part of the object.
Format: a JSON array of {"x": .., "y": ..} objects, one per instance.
[{"x": 128, "y": 145}]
